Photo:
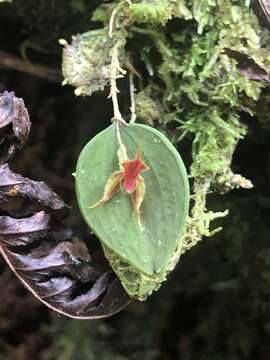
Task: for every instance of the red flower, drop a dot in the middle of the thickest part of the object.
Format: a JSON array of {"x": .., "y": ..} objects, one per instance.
[{"x": 128, "y": 179}]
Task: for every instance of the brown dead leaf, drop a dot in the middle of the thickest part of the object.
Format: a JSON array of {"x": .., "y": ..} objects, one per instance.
[{"x": 43, "y": 253}]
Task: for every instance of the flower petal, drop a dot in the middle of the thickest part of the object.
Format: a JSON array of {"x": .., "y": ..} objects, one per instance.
[
  {"x": 137, "y": 198},
  {"x": 111, "y": 188}
]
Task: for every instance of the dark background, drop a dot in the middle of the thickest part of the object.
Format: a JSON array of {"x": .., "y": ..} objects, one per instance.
[{"x": 214, "y": 306}]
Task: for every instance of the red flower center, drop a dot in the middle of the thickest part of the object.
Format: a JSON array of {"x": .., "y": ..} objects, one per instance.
[{"x": 132, "y": 170}]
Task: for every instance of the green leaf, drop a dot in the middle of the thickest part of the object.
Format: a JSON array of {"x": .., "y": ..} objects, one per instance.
[{"x": 164, "y": 209}]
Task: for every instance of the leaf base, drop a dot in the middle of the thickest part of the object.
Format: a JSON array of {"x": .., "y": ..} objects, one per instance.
[{"x": 137, "y": 284}]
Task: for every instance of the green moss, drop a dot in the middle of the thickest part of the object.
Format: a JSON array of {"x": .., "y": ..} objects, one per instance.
[
  {"x": 148, "y": 109},
  {"x": 152, "y": 12},
  {"x": 215, "y": 305},
  {"x": 194, "y": 89},
  {"x": 203, "y": 90}
]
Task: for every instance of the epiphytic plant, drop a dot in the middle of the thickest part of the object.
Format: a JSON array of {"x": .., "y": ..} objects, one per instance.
[
  {"x": 140, "y": 257},
  {"x": 202, "y": 92},
  {"x": 197, "y": 66}
]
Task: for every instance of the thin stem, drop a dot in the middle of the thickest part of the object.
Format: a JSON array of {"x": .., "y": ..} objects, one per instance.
[
  {"x": 12, "y": 62},
  {"x": 116, "y": 73},
  {"x": 164, "y": 50},
  {"x": 113, "y": 15},
  {"x": 143, "y": 31},
  {"x": 122, "y": 151},
  {"x": 132, "y": 98},
  {"x": 111, "y": 23}
]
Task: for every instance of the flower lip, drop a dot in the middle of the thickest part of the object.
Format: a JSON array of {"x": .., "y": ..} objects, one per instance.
[{"x": 132, "y": 170}]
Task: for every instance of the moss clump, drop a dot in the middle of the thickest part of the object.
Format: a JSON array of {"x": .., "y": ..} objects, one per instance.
[
  {"x": 87, "y": 60},
  {"x": 195, "y": 84}
]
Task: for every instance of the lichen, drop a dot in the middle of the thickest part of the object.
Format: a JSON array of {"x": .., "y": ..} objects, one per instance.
[{"x": 87, "y": 61}]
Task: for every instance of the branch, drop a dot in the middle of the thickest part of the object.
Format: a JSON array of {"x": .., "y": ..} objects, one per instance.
[{"x": 13, "y": 62}]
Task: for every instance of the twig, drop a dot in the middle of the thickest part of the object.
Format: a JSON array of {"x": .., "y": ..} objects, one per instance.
[
  {"x": 12, "y": 62},
  {"x": 112, "y": 18},
  {"x": 113, "y": 15},
  {"x": 132, "y": 99},
  {"x": 116, "y": 73}
]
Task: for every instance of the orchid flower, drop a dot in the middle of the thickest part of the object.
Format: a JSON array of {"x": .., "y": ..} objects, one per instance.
[{"x": 129, "y": 180}]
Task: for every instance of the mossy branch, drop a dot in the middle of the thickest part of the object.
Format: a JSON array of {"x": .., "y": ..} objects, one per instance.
[
  {"x": 194, "y": 90},
  {"x": 198, "y": 224}
]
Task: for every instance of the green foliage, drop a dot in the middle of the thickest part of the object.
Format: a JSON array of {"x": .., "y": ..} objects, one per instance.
[
  {"x": 147, "y": 109},
  {"x": 204, "y": 92},
  {"x": 158, "y": 11},
  {"x": 195, "y": 89},
  {"x": 153, "y": 12},
  {"x": 215, "y": 305},
  {"x": 140, "y": 258}
]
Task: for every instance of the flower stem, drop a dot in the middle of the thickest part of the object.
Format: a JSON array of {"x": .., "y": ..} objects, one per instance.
[{"x": 132, "y": 99}]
